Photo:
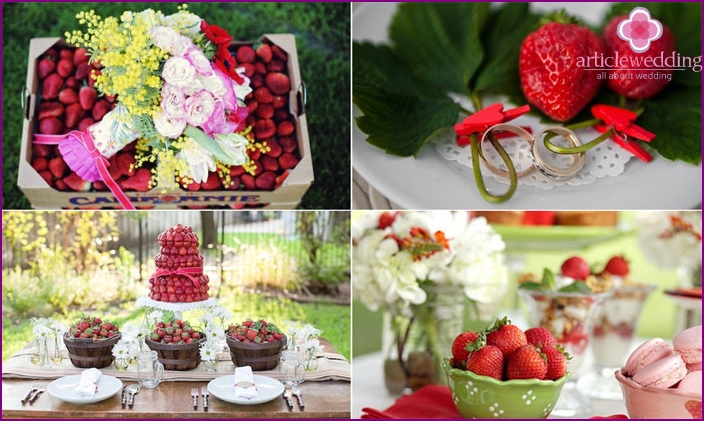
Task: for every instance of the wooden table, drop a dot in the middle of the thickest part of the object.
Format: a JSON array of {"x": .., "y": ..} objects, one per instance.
[{"x": 326, "y": 399}]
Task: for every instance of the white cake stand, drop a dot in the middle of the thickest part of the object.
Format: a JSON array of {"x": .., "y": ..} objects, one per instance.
[{"x": 177, "y": 308}]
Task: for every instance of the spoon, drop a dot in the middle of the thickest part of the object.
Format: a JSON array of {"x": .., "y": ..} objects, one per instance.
[{"x": 132, "y": 389}]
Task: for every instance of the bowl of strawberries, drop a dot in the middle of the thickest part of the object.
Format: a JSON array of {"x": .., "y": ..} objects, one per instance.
[
  {"x": 257, "y": 344},
  {"x": 177, "y": 344},
  {"x": 89, "y": 342},
  {"x": 505, "y": 372}
]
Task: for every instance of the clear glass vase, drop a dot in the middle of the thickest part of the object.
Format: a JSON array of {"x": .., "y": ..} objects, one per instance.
[
  {"x": 44, "y": 358},
  {"x": 121, "y": 364},
  {"x": 56, "y": 353},
  {"x": 415, "y": 342},
  {"x": 310, "y": 360}
]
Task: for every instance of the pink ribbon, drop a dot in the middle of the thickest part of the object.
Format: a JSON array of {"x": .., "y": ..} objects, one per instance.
[
  {"x": 101, "y": 162},
  {"x": 187, "y": 272}
]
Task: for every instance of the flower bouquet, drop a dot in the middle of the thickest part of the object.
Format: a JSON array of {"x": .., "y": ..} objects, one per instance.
[
  {"x": 147, "y": 101},
  {"x": 418, "y": 267}
]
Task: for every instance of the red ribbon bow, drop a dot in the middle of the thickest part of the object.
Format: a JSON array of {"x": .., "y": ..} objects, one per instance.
[{"x": 187, "y": 272}]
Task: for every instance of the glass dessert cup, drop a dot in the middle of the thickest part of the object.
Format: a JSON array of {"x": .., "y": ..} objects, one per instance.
[
  {"x": 569, "y": 316},
  {"x": 612, "y": 338}
]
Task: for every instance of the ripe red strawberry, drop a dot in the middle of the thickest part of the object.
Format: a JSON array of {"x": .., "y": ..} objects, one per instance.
[
  {"x": 76, "y": 183},
  {"x": 459, "y": 346},
  {"x": 625, "y": 80},
  {"x": 263, "y": 95},
  {"x": 286, "y": 128},
  {"x": 39, "y": 163},
  {"x": 64, "y": 67},
  {"x": 557, "y": 362},
  {"x": 85, "y": 123},
  {"x": 68, "y": 96},
  {"x": 487, "y": 361},
  {"x": 74, "y": 114},
  {"x": 87, "y": 97},
  {"x": 50, "y": 109},
  {"x": 248, "y": 182},
  {"x": 617, "y": 265},
  {"x": 51, "y": 86},
  {"x": 550, "y": 77},
  {"x": 80, "y": 55},
  {"x": 288, "y": 144},
  {"x": 540, "y": 337},
  {"x": 139, "y": 182},
  {"x": 245, "y": 54},
  {"x": 526, "y": 362},
  {"x": 288, "y": 161},
  {"x": 51, "y": 125},
  {"x": 266, "y": 180},
  {"x": 264, "y": 129},
  {"x": 264, "y": 53},
  {"x": 212, "y": 182},
  {"x": 100, "y": 108},
  {"x": 575, "y": 267},
  {"x": 82, "y": 71},
  {"x": 278, "y": 83},
  {"x": 45, "y": 67},
  {"x": 275, "y": 149},
  {"x": 505, "y": 336},
  {"x": 279, "y": 53}
]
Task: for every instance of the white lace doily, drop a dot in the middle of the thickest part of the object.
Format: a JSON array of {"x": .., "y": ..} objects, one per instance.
[
  {"x": 605, "y": 160},
  {"x": 177, "y": 307}
]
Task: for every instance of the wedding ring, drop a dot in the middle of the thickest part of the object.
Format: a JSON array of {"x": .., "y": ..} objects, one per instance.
[
  {"x": 505, "y": 127},
  {"x": 558, "y": 173}
]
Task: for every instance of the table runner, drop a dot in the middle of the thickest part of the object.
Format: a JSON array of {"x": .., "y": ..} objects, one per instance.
[{"x": 331, "y": 366}]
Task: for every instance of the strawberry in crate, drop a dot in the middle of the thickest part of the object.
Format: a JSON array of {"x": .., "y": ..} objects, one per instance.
[
  {"x": 257, "y": 344},
  {"x": 153, "y": 101},
  {"x": 90, "y": 341}
]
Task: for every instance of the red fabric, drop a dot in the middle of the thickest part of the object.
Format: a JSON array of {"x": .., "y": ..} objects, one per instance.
[
  {"x": 187, "y": 272},
  {"x": 430, "y": 401}
]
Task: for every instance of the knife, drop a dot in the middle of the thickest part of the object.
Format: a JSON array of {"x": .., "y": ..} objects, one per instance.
[
  {"x": 300, "y": 398},
  {"x": 123, "y": 402},
  {"x": 287, "y": 398},
  {"x": 36, "y": 395}
]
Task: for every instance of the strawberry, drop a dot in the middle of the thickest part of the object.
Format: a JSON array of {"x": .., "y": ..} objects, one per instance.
[
  {"x": 275, "y": 149},
  {"x": 212, "y": 183},
  {"x": 386, "y": 219},
  {"x": 288, "y": 161},
  {"x": 625, "y": 77},
  {"x": 276, "y": 66},
  {"x": 526, "y": 362},
  {"x": 66, "y": 53},
  {"x": 42, "y": 150},
  {"x": 87, "y": 97},
  {"x": 76, "y": 183},
  {"x": 249, "y": 69},
  {"x": 263, "y": 95},
  {"x": 540, "y": 336},
  {"x": 85, "y": 123},
  {"x": 100, "y": 108},
  {"x": 138, "y": 182},
  {"x": 51, "y": 125},
  {"x": 45, "y": 67},
  {"x": 278, "y": 83},
  {"x": 68, "y": 96},
  {"x": 279, "y": 53},
  {"x": 557, "y": 362},
  {"x": 264, "y": 53},
  {"x": 248, "y": 182},
  {"x": 264, "y": 129},
  {"x": 286, "y": 128},
  {"x": 280, "y": 101},
  {"x": 505, "y": 336},
  {"x": 245, "y": 54},
  {"x": 288, "y": 144},
  {"x": 80, "y": 55},
  {"x": 694, "y": 407},
  {"x": 459, "y": 346},
  {"x": 50, "y": 109},
  {"x": 266, "y": 180},
  {"x": 550, "y": 77},
  {"x": 617, "y": 265},
  {"x": 64, "y": 67},
  {"x": 260, "y": 69},
  {"x": 39, "y": 163},
  {"x": 51, "y": 86},
  {"x": 269, "y": 163},
  {"x": 82, "y": 71},
  {"x": 487, "y": 361},
  {"x": 265, "y": 110},
  {"x": 575, "y": 267},
  {"x": 74, "y": 114}
]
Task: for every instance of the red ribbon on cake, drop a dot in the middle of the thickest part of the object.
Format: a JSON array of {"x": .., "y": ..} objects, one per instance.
[
  {"x": 187, "y": 272},
  {"x": 82, "y": 140}
]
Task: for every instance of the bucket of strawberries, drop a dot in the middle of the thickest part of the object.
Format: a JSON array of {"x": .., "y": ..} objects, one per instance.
[
  {"x": 89, "y": 342},
  {"x": 257, "y": 344},
  {"x": 176, "y": 343}
]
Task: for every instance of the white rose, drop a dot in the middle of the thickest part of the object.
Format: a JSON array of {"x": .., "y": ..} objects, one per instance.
[
  {"x": 235, "y": 146},
  {"x": 199, "y": 107},
  {"x": 178, "y": 72},
  {"x": 164, "y": 37},
  {"x": 199, "y": 61},
  {"x": 173, "y": 101},
  {"x": 213, "y": 84},
  {"x": 169, "y": 127}
]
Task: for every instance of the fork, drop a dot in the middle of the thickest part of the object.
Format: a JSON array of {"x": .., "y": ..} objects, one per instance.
[
  {"x": 194, "y": 394},
  {"x": 35, "y": 387},
  {"x": 34, "y": 397},
  {"x": 204, "y": 392}
]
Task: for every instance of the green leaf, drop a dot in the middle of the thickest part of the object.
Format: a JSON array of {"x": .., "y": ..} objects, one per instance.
[
  {"x": 578, "y": 287},
  {"x": 502, "y": 40},
  {"x": 548, "y": 279},
  {"x": 440, "y": 41},
  {"x": 533, "y": 286},
  {"x": 401, "y": 124},
  {"x": 209, "y": 144},
  {"x": 675, "y": 116}
]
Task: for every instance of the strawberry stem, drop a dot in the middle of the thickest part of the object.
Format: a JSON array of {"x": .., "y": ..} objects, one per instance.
[
  {"x": 579, "y": 149},
  {"x": 479, "y": 180}
]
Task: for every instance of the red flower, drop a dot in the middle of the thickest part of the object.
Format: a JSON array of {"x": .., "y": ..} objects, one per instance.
[
  {"x": 223, "y": 59},
  {"x": 215, "y": 33}
]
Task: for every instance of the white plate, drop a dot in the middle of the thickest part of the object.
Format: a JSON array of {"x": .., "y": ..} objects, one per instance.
[
  {"x": 64, "y": 389},
  {"x": 429, "y": 182},
  {"x": 268, "y": 389}
]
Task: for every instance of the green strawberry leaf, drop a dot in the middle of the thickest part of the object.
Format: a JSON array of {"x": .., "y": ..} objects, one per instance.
[
  {"x": 502, "y": 41},
  {"x": 533, "y": 286},
  {"x": 440, "y": 41},
  {"x": 548, "y": 280},
  {"x": 675, "y": 116},
  {"x": 578, "y": 287}
]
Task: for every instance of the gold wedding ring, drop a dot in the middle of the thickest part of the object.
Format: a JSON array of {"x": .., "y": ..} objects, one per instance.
[
  {"x": 505, "y": 127},
  {"x": 552, "y": 171}
]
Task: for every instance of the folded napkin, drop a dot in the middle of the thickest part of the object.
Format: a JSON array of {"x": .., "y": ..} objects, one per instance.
[
  {"x": 88, "y": 384},
  {"x": 244, "y": 383},
  {"x": 430, "y": 401}
]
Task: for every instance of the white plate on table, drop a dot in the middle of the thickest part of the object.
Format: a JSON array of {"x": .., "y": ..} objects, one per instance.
[
  {"x": 268, "y": 389},
  {"x": 64, "y": 389},
  {"x": 430, "y": 182}
]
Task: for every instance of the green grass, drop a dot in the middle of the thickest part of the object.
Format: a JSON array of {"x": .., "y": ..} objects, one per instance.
[
  {"x": 292, "y": 247},
  {"x": 322, "y": 33},
  {"x": 333, "y": 320}
]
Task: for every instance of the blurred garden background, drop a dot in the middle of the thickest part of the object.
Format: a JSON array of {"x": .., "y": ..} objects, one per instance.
[
  {"x": 322, "y": 33},
  {"x": 277, "y": 265},
  {"x": 526, "y": 252}
]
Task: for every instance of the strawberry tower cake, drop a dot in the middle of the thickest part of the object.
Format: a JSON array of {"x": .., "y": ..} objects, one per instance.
[{"x": 179, "y": 275}]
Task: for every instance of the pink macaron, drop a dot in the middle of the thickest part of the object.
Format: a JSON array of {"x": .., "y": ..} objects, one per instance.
[
  {"x": 688, "y": 344},
  {"x": 647, "y": 353},
  {"x": 692, "y": 383},
  {"x": 662, "y": 373}
]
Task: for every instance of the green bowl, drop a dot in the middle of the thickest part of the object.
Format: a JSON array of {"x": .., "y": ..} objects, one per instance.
[{"x": 478, "y": 396}]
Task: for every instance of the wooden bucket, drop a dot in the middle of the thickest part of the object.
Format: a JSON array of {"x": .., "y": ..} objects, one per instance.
[
  {"x": 179, "y": 357},
  {"x": 263, "y": 356},
  {"x": 87, "y": 353}
]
